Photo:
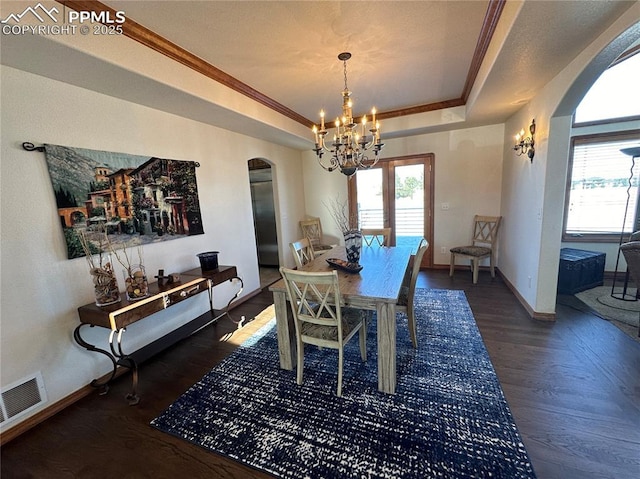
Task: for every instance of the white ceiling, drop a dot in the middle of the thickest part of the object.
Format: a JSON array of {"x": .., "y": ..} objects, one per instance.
[{"x": 405, "y": 53}]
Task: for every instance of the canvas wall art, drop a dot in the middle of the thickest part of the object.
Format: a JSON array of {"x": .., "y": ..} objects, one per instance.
[{"x": 135, "y": 199}]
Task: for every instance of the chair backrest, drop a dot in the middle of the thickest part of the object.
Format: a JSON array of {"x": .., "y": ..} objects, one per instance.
[
  {"x": 302, "y": 252},
  {"x": 631, "y": 252},
  {"x": 376, "y": 236},
  {"x": 485, "y": 230},
  {"x": 312, "y": 229},
  {"x": 414, "y": 268},
  {"x": 314, "y": 298}
]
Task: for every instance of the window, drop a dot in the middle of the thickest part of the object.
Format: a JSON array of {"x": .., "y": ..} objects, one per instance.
[
  {"x": 602, "y": 193},
  {"x": 614, "y": 95}
]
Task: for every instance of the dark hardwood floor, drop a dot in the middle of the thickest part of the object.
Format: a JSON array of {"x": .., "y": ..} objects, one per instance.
[{"x": 573, "y": 387}]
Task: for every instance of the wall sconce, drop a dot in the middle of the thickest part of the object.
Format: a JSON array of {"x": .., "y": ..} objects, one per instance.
[{"x": 526, "y": 145}]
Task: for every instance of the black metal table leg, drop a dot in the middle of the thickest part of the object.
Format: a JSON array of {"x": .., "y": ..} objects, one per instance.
[
  {"x": 102, "y": 386},
  {"x": 126, "y": 361},
  {"x": 226, "y": 309}
]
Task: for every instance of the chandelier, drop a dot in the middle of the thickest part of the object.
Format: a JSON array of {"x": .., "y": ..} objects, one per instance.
[{"x": 351, "y": 141}]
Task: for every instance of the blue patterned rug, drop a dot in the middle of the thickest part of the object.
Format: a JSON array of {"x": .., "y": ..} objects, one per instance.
[{"x": 449, "y": 418}]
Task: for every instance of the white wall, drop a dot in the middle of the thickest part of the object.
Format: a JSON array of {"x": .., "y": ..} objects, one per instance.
[
  {"x": 468, "y": 176},
  {"x": 41, "y": 289}
]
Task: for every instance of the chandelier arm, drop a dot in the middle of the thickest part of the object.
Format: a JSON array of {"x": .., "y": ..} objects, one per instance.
[
  {"x": 333, "y": 164},
  {"x": 367, "y": 146},
  {"x": 323, "y": 146}
]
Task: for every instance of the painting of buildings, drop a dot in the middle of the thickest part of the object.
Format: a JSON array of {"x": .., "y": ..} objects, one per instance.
[{"x": 135, "y": 199}]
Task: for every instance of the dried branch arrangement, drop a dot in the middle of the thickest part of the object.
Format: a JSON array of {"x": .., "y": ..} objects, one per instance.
[
  {"x": 136, "y": 284},
  {"x": 125, "y": 259},
  {"x": 339, "y": 211}
]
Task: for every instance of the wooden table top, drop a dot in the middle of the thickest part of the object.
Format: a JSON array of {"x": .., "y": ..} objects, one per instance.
[{"x": 380, "y": 279}]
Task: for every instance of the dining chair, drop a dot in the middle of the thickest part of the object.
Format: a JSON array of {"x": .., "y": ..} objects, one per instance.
[
  {"x": 312, "y": 229},
  {"x": 320, "y": 317},
  {"x": 379, "y": 236},
  {"x": 406, "y": 301},
  {"x": 483, "y": 245},
  {"x": 302, "y": 252}
]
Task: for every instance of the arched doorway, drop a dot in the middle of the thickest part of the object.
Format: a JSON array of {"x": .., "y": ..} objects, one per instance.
[{"x": 264, "y": 220}]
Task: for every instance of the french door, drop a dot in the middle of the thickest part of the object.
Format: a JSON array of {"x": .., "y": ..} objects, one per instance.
[{"x": 397, "y": 193}]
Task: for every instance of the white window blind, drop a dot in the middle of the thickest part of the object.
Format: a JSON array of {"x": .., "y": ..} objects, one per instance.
[{"x": 599, "y": 188}]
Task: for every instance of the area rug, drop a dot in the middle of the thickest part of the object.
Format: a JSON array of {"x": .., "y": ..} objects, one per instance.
[
  {"x": 600, "y": 300},
  {"x": 448, "y": 418}
]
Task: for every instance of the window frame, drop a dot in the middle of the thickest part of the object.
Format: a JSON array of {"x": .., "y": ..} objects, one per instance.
[{"x": 593, "y": 138}]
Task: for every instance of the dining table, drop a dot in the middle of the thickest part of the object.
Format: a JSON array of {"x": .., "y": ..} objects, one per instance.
[{"x": 376, "y": 287}]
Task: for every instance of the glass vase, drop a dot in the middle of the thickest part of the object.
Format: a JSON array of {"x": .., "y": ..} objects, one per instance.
[
  {"x": 105, "y": 285},
  {"x": 353, "y": 246},
  {"x": 136, "y": 285}
]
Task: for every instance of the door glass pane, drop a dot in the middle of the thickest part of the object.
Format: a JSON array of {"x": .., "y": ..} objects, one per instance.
[
  {"x": 370, "y": 200},
  {"x": 409, "y": 204}
]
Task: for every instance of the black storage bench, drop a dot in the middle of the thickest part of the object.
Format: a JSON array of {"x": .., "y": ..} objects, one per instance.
[{"x": 580, "y": 270}]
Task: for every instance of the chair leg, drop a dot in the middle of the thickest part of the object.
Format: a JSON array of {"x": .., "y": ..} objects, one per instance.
[
  {"x": 340, "y": 364},
  {"x": 452, "y": 264},
  {"x": 493, "y": 271},
  {"x": 300, "y": 361},
  {"x": 474, "y": 262},
  {"x": 363, "y": 341},
  {"x": 412, "y": 327}
]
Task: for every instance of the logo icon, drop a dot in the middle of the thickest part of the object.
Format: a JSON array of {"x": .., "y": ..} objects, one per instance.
[{"x": 34, "y": 11}]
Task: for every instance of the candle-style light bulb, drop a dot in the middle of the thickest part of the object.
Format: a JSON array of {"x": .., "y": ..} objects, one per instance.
[
  {"x": 322, "y": 119},
  {"x": 315, "y": 132},
  {"x": 373, "y": 112}
]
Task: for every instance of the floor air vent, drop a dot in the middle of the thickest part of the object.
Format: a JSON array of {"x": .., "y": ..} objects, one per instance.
[{"x": 21, "y": 397}]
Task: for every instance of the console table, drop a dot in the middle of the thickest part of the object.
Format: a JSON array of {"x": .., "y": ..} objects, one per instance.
[{"x": 117, "y": 317}]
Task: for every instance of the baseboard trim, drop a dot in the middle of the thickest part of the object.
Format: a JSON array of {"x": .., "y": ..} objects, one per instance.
[
  {"x": 83, "y": 392},
  {"x": 548, "y": 317}
]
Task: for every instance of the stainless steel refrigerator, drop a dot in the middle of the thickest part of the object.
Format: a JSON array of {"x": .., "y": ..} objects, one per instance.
[{"x": 264, "y": 216}]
